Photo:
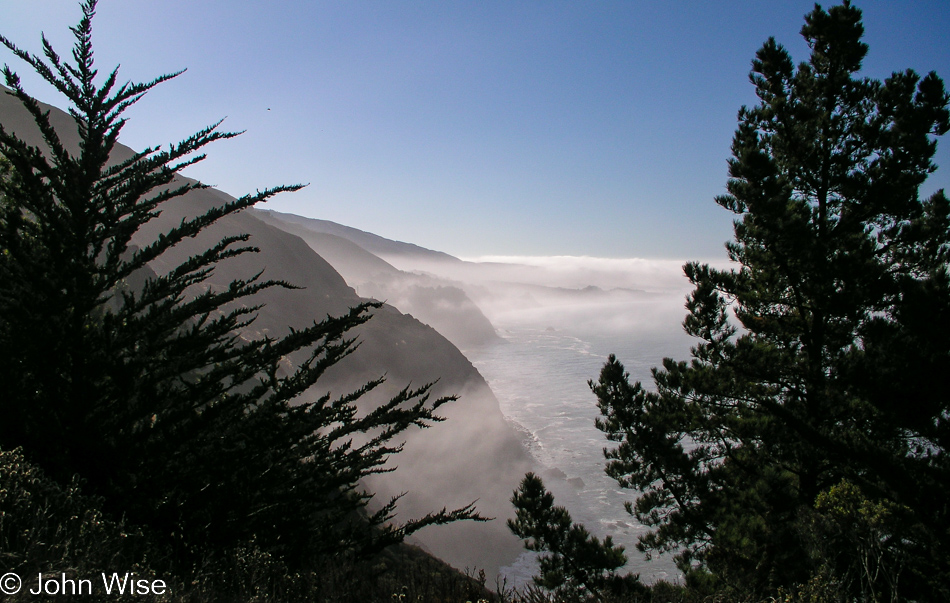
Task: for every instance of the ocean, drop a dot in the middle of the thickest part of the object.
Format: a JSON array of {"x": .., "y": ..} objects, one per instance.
[{"x": 540, "y": 377}]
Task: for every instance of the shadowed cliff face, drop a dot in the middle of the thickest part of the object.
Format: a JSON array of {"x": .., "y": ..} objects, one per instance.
[{"x": 473, "y": 455}]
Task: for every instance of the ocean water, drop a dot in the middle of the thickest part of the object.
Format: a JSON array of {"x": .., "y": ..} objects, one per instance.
[{"x": 540, "y": 377}]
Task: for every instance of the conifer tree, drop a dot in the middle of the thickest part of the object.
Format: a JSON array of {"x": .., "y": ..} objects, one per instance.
[
  {"x": 572, "y": 560},
  {"x": 821, "y": 362},
  {"x": 141, "y": 383}
]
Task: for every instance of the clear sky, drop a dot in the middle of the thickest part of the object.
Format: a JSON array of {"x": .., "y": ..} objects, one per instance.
[{"x": 475, "y": 128}]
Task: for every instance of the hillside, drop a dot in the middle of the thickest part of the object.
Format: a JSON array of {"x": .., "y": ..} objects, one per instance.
[
  {"x": 473, "y": 455},
  {"x": 372, "y": 243},
  {"x": 438, "y": 302}
]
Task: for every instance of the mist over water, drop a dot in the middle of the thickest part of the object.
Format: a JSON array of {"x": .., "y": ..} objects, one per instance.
[
  {"x": 584, "y": 271},
  {"x": 557, "y": 340},
  {"x": 558, "y": 318}
]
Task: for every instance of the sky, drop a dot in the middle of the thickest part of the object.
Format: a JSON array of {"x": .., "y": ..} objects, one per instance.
[{"x": 476, "y": 128}]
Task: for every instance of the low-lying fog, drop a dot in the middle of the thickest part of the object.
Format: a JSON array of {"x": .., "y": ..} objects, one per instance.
[
  {"x": 553, "y": 271},
  {"x": 558, "y": 319},
  {"x": 637, "y": 298}
]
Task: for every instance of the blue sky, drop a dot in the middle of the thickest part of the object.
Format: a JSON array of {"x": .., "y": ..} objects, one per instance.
[{"x": 476, "y": 128}]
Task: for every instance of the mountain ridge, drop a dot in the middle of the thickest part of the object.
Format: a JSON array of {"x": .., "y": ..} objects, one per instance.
[
  {"x": 436, "y": 301},
  {"x": 372, "y": 243}
]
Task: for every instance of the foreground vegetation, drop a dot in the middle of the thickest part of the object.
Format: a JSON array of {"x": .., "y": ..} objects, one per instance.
[
  {"x": 801, "y": 454},
  {"x": 140, "y": 429}
]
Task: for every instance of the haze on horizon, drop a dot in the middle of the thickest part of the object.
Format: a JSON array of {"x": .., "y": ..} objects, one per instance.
[{"x": 478, "y": 129}]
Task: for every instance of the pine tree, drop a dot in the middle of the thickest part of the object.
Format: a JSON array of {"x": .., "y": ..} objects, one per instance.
[
  {"x": 141, "y": 383},
  {"x": 820, "y": 366},
  {"x": 572, "y": 560}
]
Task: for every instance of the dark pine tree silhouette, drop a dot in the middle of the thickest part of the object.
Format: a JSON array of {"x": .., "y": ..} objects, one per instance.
[
  {"x": 572, "y": 560},
  {"x": 149, "y": 392},
  {"x": 819, "y": 381}
]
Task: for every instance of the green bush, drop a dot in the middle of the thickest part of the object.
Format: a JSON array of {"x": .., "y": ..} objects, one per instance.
[{"x": 52, "y": 529}]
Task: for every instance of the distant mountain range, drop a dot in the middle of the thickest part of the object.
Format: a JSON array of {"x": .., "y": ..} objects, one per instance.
[
  {"x": 372, "y": 243},
  {"x": 358, "y": 257}
]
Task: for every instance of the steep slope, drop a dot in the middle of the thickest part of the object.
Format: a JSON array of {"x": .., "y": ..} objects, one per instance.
[
  {"x": 434, "y": 301},
  {"x": 472, "y": 455},
  {"x": 372, "y": 243}
]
